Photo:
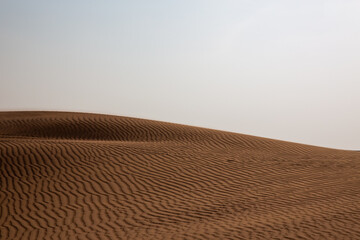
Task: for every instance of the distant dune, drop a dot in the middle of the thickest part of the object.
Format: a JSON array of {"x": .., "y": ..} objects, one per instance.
[{"x": 90, "y": 176}]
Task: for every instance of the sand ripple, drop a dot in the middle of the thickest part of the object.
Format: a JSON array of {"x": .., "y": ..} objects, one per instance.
[{"x": 88, "y": 176}]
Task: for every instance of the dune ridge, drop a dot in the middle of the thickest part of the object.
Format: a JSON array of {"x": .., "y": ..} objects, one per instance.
[{"x": 91, "y": 176}]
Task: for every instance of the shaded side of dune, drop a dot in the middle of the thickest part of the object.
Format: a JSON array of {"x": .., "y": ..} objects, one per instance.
[{"x": 90, "y": 176}]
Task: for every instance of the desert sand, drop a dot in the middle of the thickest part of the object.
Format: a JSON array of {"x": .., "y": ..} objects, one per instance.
[{"x": 91, "y": 176}]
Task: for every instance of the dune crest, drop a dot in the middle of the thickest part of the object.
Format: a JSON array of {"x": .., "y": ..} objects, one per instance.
[{"x": 91, "y": 176}]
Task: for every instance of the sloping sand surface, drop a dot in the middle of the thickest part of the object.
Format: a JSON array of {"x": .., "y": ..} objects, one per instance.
[{"x": 89, "y": 176}]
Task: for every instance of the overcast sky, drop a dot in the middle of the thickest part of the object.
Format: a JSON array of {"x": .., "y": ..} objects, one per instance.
[{"x": 287, "y": 70}]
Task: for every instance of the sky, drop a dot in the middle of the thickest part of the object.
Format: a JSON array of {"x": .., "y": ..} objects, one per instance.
[{"x": 287, "y": 69}]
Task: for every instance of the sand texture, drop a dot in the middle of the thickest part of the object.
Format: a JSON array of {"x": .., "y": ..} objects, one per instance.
[{"x": 90, "y": 176}]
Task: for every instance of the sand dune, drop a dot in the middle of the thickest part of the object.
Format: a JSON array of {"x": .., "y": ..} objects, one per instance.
[{"x": 88, "y": 176}]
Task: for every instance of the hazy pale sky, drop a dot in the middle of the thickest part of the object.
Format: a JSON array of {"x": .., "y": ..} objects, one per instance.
[{"x": 280, "y": 69}]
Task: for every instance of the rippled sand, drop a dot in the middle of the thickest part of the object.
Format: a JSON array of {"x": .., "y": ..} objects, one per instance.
[{"x": 89, "y": 176}]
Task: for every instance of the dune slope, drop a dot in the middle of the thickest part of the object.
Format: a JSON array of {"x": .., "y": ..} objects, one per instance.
[{"x": 89, "y": 176}]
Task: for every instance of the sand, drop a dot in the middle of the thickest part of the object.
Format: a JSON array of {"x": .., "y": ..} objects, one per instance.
[{"x": 89, "y": 176}]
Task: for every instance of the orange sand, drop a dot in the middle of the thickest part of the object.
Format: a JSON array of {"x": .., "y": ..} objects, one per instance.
[{"x": 89, "y": 176}]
